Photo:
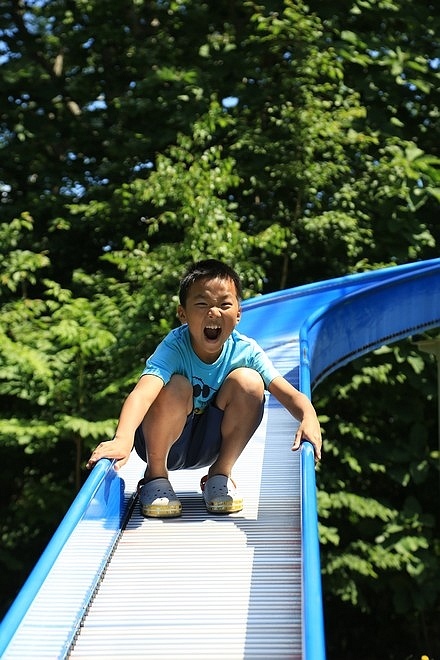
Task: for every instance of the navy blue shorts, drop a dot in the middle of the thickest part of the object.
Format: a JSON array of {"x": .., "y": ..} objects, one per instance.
[{"x": 199, "y": 443}]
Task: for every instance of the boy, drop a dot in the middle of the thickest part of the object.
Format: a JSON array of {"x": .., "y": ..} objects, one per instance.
[{"x": 200, "y": 398}]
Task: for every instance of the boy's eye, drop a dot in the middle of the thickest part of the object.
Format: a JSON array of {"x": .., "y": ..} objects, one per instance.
[{"x": 203, "y": 305}]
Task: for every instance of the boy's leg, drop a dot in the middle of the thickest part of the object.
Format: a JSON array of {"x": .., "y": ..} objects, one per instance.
[
  {"x": 240, "y": 397},
  {"x": 163, "y": 424}
]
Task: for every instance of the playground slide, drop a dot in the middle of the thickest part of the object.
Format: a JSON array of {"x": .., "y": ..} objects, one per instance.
[{"x": 309, "y": 332}]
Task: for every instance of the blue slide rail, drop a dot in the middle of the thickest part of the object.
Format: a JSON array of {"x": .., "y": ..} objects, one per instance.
[
  {"x": 336, "y": 321},
  {"x": 101, "y": 496},
  {"x": 390, "y": 305},
  {"x": 404, "y": 303}
]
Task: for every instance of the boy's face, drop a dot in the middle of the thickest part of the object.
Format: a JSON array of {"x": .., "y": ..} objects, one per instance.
[{"x": 211, "y": 311}]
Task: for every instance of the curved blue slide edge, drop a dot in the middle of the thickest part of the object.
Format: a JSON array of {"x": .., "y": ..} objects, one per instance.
[
  {"x": 313, "y": 633},
  {"x": 101, "y": 496},
  {"x": 338, "y": 320},
  {"x": 404, "y": 303},
  {"x": 276, "y": 319}
]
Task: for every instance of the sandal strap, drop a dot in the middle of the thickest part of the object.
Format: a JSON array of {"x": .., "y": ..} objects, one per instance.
[
  {"x": 143, "y": 482},
  {"x": 204, "y": 479}
]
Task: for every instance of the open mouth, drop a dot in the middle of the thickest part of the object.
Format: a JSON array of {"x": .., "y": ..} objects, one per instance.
[{"x": 212, "y": 332}]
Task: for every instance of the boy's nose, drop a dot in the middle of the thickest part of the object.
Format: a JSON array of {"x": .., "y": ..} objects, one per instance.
[{"x": 213, "y": 311}]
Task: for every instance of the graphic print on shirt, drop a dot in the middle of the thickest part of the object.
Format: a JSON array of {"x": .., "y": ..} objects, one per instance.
[{"x": 202, "y": 394}]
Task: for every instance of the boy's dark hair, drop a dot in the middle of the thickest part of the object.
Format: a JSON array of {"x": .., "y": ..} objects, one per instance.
[{"x": 208, "y": 269}]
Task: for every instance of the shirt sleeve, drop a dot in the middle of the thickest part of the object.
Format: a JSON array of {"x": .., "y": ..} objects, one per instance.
[
  {"x": 263, "y": 364},
  {"x": 164, "y": 362}
]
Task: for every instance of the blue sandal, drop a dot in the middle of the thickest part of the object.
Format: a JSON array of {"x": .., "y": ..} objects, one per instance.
[
  {"x": 158, "y": 499},
  {"x": 220, "y": 494}
]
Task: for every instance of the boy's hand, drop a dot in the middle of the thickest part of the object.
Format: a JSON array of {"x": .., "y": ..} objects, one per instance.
[
  {"x": 302, "y": 409},
  {"x": 309, "y": 429},
  {"x": 112, "y": 449}
]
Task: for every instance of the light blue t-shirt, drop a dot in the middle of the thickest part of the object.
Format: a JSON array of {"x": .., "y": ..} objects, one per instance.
[{"x": 175, "y": 355}]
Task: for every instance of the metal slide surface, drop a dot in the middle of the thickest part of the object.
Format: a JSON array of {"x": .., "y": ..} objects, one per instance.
[{"x": 112, "y": 584}]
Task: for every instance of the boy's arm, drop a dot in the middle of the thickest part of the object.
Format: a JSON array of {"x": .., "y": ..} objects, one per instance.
[
  {"x": 133, "y": 412},
  {"x": 300, "y": 407}
]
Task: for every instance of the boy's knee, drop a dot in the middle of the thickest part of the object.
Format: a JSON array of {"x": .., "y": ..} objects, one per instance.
[
  {"x": 247, "y": 377},
  {"x": 245, "y": 381},
  {"x": 176, "y": 393},
  {"x": 180, "y": 384}
]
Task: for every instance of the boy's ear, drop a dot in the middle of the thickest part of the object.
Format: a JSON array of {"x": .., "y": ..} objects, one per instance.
[
  {"x": 181, "y": 314},
  {"x": 239, "y": 314}
]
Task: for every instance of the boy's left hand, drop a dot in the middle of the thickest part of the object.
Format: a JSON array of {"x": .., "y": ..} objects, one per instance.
[{"x": 309, "y": 429}]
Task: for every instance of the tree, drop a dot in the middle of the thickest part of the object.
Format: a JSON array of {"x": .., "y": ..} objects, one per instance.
[
  {"x": 297, "y": 142},
  {"x": 58, "y": 387},
  {"x": 379, "y": 531}
]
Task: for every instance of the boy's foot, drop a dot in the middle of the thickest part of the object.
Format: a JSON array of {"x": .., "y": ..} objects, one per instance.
[
  {"x": 158, "y": 499},
  {"x": 220, "y": 494}
]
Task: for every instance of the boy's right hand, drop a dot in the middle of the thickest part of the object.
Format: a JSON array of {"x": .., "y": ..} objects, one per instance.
[{"x": 112, "y": 449}]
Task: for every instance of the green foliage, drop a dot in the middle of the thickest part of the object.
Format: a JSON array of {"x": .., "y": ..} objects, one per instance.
[
  {"x": 190, "y": 215},
  {"x": 57, "y": 356},
  {"x": 297, "y": 142},
  {"x": 378, "y": 527}
]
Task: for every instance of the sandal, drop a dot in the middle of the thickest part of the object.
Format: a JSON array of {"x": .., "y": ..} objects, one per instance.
[
  {"x": 220, "y": 494},
  {"x": 158, "y": 499}
]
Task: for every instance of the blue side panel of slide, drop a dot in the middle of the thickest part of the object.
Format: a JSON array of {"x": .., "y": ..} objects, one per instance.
[{"x": 335, "y": 321}]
